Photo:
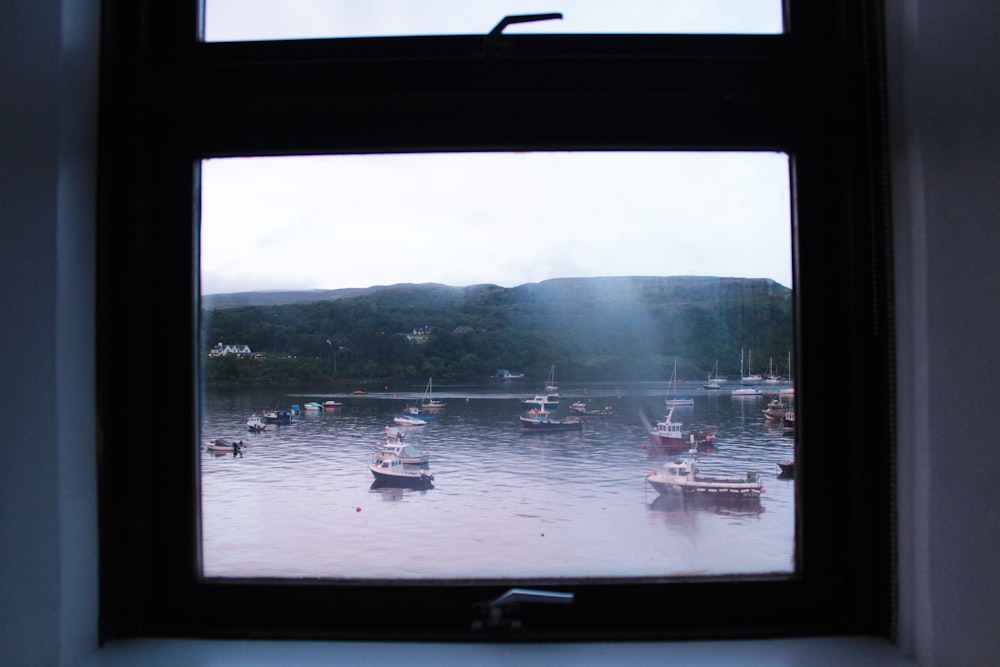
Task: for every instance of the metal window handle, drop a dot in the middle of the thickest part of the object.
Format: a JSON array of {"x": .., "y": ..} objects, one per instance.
[
  {"x": 522, "y": 18},
  {"x": 496, "y": 614}
]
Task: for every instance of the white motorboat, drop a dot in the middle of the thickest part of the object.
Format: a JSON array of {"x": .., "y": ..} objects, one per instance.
[
  {"x": 681, "y": 476},
  {"x": 392, "y": 472},
  {"x": 406, "y": 453},
  {"x": 409, "y": 420},
  {"x": 255, "y": 424}
]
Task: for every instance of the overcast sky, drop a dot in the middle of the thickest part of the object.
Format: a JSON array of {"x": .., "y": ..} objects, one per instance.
[
  {"x": 233, "y": 20},
  {"x": 505, "y": 218}
]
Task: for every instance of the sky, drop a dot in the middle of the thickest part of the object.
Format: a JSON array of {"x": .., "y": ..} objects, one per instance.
[
  {"x": 235, "y": 20},
  {"x": 330, "y": 222}
]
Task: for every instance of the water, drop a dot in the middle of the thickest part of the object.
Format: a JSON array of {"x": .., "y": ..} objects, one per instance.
[{"x": 300, "y": 501}]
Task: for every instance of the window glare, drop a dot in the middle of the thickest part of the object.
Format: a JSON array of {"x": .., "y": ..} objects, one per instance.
[{"x": 245, "y": 20}]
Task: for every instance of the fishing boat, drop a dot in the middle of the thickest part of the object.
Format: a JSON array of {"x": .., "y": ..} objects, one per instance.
[
  {"x": 775, "y": 411},
  {"x": 392, "y": 472},
  {"x": 277, "y": 416},
  {"x": 407, "y": 454},
  {"x": 671, "y": 398},
  {"x": 255, "y": 424},
  {"x": 681, "y": 476},
  {"x": 541, "y": 420},
  {"x": 669, "y": 433}
]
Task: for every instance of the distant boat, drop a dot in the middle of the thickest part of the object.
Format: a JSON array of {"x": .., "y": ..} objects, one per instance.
[
  {"x": 313, "y": 405},
  {"x": 255, "y": 424},
  {"x": 787, "y": 469},
  {"x": 682, "y": 477},
  {"x": 428, "y": 403},
  {"x": 671, "y": 399},
  {"x": 579, "y": 408},
  {"x": 713, "y": 381},
  {"x": 771, "y": 378},
  {"x": 392, "y": 472},
  {"x": 668, "y": 433},
  {"x": 748, "y": 378},
  {"x": 409, "y": 420},
  {"x": 415, "y": 411},
  {"x": 277, "y": 416},
  {"x": 359, "y": 392},
  {"x": 540, "y": 420},
  {"x": 220, "y": 446},
  {"x": 775, "y": 411},
  {"x": 331, "y": 404},
  {"x": 550, "y": 384},
  {"x": 505, "y": 374}
]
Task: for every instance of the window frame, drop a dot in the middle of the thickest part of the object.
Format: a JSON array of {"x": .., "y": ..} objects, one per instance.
[{"x": 168, "y": 100}]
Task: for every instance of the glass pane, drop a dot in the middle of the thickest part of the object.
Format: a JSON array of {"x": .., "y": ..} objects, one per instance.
[
  {"x": 241, "y": 20},
  {"x": 554, "y": 337}
]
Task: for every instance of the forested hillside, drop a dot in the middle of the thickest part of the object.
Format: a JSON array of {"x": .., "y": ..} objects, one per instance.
[{"x": 590, "y": 328}]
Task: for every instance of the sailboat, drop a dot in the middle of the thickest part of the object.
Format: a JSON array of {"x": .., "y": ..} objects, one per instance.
[
  {"x": 548, "y": 400},
  {"x": 771, "y": 378},
  {"x": 747, "y": 380},
  {"x": 713, "y": 381},
  {"x": 428, "y": 404},
  {"x": 671, "y": 399}
]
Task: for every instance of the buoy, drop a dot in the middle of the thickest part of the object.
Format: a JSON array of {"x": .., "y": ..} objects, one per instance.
[
  {"x": 357, "y": 509},
  {"x": 763, "y": 490}
]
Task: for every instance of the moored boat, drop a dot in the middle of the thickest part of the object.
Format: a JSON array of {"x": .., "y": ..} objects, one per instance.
[
  {"x": 255, "y": 424},
  {"x": 541, "y": 420},
  {"x": 580, "y": 408},
  {"x": 428, "y": 404},
  {"x": 787, "y": 469},
  {"x": 409, "y": 420},
  {"x": 331, "y": 404},
  {"x": 775, "y": 411},
  {"x": 277, "y": 416},
  {"x": 313, "y": 406},
  {"x": 406, "y": 453},
  {"x": 392, "y": 472},
  {"x": 220, "y": 446},
  {"x": 669, "y": 433},
  {"x": 681, "y": 476}
]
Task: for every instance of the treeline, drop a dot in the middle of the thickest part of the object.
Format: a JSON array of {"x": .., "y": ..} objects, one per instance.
[{"x": 592, "y": 329}]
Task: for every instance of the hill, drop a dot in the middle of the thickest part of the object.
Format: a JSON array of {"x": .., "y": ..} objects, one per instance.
[{"x": 592, "y": 328}]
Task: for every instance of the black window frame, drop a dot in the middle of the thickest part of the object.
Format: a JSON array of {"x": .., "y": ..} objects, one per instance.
[{"x": 169, "y": 100}]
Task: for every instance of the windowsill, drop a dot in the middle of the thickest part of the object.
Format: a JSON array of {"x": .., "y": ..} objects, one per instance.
[{"x": 856, "y": 651}]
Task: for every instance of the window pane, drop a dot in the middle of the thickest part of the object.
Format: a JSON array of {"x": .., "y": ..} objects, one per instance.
[
  {"x": 240, "y": 20},
  {"x": 653, "y": 289}
]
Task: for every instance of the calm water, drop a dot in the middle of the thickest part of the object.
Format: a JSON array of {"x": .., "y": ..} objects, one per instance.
[{"x": 300, "y": 502}]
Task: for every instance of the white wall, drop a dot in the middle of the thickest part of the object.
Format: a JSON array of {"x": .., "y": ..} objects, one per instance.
[{"x": 945, "y": 113}]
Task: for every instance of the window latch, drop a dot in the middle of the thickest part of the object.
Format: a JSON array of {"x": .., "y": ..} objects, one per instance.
[
  {"x": 494, "y": 39},
  {"x": 498, "y": 614}
]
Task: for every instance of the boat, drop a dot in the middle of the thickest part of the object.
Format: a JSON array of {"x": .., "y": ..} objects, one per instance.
[
  {"x": 313, "y": 406},
  {"x": 277, "y": 416},
  {"x": 787, "y": 391},
  {"x": 392, "y": 472},
  {"x": 506, "y": 375},
  {"x": 255, "y": 424},
  {"x": 668, "y": 433},
  {"x": 748, "y": 378},
  {"x": 542, "y": 402},
  {"x": 407, "y": 454},
  {"x": 415, "y": 411},
  {"x": 787, "y": 469},
  {"x": 580, "y": 408},
  {"x": 713, "y": 381},
  {"x": 428, "y": 403},
  {"x": 541, "y": 420},
  {"x": 331, "y": 404},
  {"x": 681, "y": 476},
  {"x": 409, "y": 420},
  {"x": 550, "y": 384},
  {"x": 771, "y": 378},
  {"x": 359, "y": 392},
  {"x": 671, "y": 399},
  {"x": 788, "y": 421},
  {"x": 775, "y": 411},
  {"x": 220, "y": 446}
]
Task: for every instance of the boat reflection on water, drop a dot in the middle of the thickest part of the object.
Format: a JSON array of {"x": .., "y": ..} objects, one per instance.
[{"x": 725, "y": 504}]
